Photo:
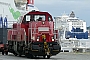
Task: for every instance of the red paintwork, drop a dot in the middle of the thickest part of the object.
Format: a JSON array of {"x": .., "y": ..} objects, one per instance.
[
  {"x": 31, "y": 29},
  {"x": 9, "y": 35},
  {"x": 1, "y": 46},
  {"x": 18, "y": 33},
  {"x": 48, "y": 34}
]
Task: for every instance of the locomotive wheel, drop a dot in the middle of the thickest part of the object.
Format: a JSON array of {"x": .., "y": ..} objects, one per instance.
[
  {"x": 6, "y": 52},
  {"x": 15, "y": 54},
  {"x": 20, "y": 55},
  {"x": 48, "y": 56},
  {"x": 27, "y": 55},
  {"x": 44, "y": 56},
  {"x": 2, "y": 52},
  {"x": 31, "y": 56}
]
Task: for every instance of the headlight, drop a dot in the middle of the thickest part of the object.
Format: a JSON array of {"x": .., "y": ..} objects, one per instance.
[
  {"x": 37, "y": 39},
  {"x": 52, "y": 39},
  {"x": 43, "y": 22}
]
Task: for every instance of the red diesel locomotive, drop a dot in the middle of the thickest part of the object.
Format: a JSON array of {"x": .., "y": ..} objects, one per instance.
[{"x": 34, "y": 36}]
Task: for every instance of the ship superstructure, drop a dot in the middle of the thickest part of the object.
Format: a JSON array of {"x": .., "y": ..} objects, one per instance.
[
  {"x": 13, "y": 10},
  {"x": 72, "y": 32},
  {"x": 71, "y": 26}
]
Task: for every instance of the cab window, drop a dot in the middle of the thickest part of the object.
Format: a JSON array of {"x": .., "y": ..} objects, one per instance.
[
  {"x": 49, "y": 19},
  {"x": 27, "y": 17},
  {"x": 39, "y": 17}
]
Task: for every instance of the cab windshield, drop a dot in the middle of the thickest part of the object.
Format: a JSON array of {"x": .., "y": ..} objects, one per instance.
[
  {"x": 36, "y": 17},
  {"x": 39, "y": 17}
]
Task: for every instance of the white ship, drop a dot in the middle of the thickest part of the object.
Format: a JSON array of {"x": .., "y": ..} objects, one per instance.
[
  {"x": 72, "y": 33},
  {"x": 11, "y": 11}
]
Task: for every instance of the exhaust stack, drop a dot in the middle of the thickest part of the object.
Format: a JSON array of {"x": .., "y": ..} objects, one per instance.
[{"x": 30, "y": 2}]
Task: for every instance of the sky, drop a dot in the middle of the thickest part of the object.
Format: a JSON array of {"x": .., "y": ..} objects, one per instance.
[{"x": 81, "y": 8}]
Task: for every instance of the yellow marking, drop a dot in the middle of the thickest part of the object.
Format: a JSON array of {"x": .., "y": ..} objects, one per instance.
[
  {"x": 45, "y": 43},
  {"x": 46, "y": 48},
  {"x": 43, "y": 36}
]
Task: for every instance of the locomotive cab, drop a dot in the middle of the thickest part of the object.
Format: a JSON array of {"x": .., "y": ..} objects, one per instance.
[
  {"x": 37, "y": 17},
  {"x": 42, "y": 34}
]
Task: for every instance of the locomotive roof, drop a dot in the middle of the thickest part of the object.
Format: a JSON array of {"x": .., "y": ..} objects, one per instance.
[{"x": 39, "y": 12}]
